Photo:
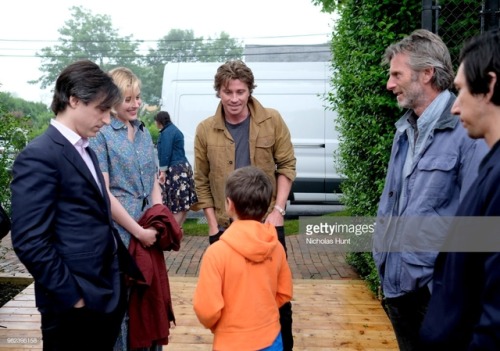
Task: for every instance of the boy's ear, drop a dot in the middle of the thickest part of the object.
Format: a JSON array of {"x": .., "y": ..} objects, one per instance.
[{"x": 230, "y": 207}]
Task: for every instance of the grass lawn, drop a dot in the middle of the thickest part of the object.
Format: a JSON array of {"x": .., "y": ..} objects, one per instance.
[{"x": 192, "y": 227}]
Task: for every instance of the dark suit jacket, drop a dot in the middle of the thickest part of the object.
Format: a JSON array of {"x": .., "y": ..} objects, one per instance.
[
  {"x": 464, "y": 311},
  {"x": 62, "y": 229}
]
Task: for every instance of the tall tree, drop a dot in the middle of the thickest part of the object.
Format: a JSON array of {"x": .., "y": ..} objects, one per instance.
[
  {"x": 177, "y": 46},
  {"x": 183, "y": 46},
  {"x": 87, "y": 36},
  {"x": 93, "y": 37},
  {"x": 221, "y": 49}
]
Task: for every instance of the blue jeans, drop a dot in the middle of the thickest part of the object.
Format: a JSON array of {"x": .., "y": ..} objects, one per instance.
[
  {"x": 406, "y": 314},
  {"x": 276, "y": 346}
]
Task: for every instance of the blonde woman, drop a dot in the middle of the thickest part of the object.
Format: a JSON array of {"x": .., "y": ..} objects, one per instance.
[{"x": 126, "y": 157}]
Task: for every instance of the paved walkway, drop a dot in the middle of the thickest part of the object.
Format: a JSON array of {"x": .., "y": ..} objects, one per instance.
[{"x": 306, "y": 261}]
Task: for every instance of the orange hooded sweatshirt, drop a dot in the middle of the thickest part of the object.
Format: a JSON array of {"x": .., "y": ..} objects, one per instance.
[{"x": 244, "y": 278}]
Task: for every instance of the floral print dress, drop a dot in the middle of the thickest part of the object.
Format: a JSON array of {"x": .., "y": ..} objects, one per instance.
[{"x": 131, "y": 167}]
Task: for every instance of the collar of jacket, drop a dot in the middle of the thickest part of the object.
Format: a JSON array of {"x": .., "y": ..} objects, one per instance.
[
  {"x": 165, "y": 126},
  {"x": 446, "y": 120},
  {"x": 257, "y": 112},
  {"x": 116, "y": 123}
]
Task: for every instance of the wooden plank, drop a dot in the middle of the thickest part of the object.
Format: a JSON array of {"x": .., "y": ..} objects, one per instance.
[{"x": 328, "y": 314}]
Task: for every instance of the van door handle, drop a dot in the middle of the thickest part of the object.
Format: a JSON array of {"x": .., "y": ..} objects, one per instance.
[{"x": 309, "y": 146}]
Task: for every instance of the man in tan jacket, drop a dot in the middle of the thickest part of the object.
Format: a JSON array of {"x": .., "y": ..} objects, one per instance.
[{"x": 241, "y": 133}]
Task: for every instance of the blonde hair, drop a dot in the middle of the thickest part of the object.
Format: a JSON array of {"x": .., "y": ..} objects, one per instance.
[{"x": 125, "y": 79}]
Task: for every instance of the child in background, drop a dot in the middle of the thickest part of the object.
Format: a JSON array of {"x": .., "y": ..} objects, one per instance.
[{"x": 244, "y": 277}]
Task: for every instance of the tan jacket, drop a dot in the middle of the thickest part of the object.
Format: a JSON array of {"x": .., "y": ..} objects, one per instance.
[{"x": 271, "y": 150}]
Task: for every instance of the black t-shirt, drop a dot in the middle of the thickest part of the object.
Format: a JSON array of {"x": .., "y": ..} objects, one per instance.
[{"x": 240, "y": 133}]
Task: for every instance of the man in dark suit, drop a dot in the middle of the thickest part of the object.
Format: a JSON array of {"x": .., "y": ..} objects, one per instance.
[
  {"x": 464, "y": 310},
  {"x": 62, "y": 229}
]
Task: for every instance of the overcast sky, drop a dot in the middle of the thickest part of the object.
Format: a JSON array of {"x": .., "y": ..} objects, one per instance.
[{"x": 26, "y": 26}]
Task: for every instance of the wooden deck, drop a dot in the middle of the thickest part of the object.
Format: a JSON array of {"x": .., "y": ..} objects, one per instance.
[{"x": 328, "y": 315}]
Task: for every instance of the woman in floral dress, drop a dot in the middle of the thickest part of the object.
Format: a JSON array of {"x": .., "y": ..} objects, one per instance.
[
  {"x": 176, "y": 172},
  {"x": 127, "y": 160}
]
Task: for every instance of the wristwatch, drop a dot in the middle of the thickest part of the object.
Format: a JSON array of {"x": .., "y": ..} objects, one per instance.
[{"x": 280, "y": 210}]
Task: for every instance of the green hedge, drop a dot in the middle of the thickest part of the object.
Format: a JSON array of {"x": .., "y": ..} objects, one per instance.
[
  {"x": 366, "y": 110},
  {"x": 13, "y": 138}
]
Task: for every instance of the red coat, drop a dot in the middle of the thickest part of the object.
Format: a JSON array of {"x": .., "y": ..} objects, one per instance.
[{"x": 150, "y": 305}]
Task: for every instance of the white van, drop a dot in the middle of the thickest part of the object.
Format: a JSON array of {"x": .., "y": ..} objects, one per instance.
[{"x": 296, "y": 89}]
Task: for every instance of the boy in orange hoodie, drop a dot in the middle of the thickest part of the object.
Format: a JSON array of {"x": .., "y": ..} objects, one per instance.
[{"x": 244, "y": 277}]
